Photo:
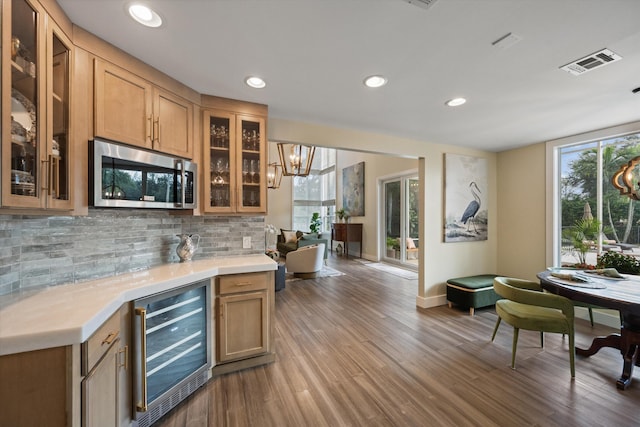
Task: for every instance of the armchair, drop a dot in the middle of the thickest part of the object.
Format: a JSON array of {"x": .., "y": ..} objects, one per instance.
[
  {"x": 526, "y": 307},
  {"x": 306, "y": 261}
]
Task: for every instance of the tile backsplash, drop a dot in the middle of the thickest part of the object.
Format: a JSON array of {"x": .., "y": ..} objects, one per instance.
[{"x": 48, "y": 251}]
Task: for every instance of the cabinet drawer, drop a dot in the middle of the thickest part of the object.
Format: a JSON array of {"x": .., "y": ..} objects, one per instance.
[
  {"x": 97, "y": 345},
  {"x": 236, "y": 283}
]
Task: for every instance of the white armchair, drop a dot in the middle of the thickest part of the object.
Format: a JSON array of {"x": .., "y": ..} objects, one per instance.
[{"x": 306, "y": 261}]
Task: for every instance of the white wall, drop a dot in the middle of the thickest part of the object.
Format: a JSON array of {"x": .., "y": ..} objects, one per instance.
[{"x": 439, "y": 261}]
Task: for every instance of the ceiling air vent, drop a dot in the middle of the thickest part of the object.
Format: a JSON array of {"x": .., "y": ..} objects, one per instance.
[
  {"x": 425, "y": 4},
  {"x": 588, "y": 63}
]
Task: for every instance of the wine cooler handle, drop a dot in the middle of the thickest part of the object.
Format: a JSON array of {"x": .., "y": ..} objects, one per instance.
[{"x": 142, "y": 313}]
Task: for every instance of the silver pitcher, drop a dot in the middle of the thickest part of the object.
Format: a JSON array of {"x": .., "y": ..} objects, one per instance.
[{"x": 187, "y": 246}]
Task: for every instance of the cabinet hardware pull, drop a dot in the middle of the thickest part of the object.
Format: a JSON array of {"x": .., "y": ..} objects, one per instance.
[
  {"x": 45, "y": 186},
  {"x": 109, "y": 339},
  {"x": 150, "y": 129},
  {"x": 124, "y": 359},
  {"x": 243, "y": 284},
  {"x": 139, "y": 311},
  {"x": 156, "y": 134},
  {"x": 54, "y": 176}
]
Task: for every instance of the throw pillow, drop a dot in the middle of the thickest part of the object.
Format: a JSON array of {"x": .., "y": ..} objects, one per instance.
[
  {"x": 410, "y": 243},
  {"x": 289, "y": 236}
]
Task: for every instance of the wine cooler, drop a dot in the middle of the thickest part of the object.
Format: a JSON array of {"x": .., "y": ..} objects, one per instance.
[{"x": 172, "y": 349}]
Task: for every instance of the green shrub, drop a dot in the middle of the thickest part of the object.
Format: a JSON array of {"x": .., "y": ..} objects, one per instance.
[{"x": 627, "y": 264}]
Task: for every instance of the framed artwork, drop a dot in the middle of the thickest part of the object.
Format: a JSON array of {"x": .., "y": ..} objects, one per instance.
[
  {"x": 465, "y": 198},
  {"x": 353, "y": 189}
]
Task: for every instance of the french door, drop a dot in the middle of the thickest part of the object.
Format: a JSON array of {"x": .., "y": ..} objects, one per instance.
[{"x": 399, "y": 210}]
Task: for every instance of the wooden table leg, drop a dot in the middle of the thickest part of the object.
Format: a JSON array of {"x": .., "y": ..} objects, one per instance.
[
  {"x": 628, "y": 342},
  {"x": 612, "y": 340}
]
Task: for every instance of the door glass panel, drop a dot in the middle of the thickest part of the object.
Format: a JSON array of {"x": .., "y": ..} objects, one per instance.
[
  {"x": 250, "y": 163},
  {"x": 25, "y": 124},
  {"x": 392, "y": 219},
  {"x": 59, "y": 150},
  {"x": 412, "y": 219},
  {"x": 400, "y": 212},
  {"x": 219, "y": 158}
]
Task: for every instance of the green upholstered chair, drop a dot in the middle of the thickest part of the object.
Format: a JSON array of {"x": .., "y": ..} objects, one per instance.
[{"x": 526, "y": 306}]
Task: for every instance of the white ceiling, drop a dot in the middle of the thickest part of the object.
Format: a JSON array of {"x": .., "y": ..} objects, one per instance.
[{"x": 314, "y": 55}]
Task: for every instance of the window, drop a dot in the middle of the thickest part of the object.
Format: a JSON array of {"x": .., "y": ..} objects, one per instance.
[
  {"x": 316, "y": 192},
  {"x": 584, "y": 172}
]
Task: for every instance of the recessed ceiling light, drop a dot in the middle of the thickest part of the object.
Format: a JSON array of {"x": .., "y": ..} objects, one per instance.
[
  {"x": 455, "y": 102},
  {"x": 375, "y": 81},
  {"x": 144, "y": 15},
  {"x": 255, "y": 82}
]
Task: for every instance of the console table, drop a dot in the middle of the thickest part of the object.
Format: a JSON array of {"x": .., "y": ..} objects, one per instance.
[{"x": 345, "y": 232}]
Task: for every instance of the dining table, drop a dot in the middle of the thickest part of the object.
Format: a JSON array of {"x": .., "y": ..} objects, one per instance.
[{"x": 622, "y": 294}]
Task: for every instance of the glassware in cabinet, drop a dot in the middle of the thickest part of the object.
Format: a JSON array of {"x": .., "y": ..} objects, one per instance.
[
  {"x": 26, "y": 22},
  {"x": 59, "y": 149},
  {"x": 35, "y": 148},
  {"x": 219, "y": 160},
  {"x": 252, "y": 164}
]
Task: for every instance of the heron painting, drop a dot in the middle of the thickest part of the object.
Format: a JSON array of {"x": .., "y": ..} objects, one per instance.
[{"x": 466, "y": 214}]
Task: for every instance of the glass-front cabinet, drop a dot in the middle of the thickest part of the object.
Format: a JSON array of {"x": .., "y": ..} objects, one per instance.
[
  {"x": 35, "y": 118},
  {"x": 234, "y": 163}
]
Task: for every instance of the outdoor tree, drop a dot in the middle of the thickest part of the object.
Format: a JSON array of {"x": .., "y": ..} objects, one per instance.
[{"x": 619, "y": 213}]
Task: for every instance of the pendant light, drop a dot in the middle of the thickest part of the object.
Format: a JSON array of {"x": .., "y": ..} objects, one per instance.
[
  {"x": 274, "y": 175},
  {"x": 296, "y": 159}
]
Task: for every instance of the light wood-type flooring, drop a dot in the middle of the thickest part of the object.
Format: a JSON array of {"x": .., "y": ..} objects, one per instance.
[{"x": 354, "y": 350}]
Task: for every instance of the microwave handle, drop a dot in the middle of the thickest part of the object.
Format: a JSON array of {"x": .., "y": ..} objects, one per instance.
[{"x": 183, "y": 186}]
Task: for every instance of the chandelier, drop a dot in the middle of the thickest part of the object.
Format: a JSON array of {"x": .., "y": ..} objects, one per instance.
[
  {"x": 627, "y": 179},
  {"x": 295, "y": 159}
]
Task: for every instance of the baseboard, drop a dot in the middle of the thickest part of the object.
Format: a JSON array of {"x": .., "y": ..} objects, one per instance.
[{"x": 429, "y": 302}]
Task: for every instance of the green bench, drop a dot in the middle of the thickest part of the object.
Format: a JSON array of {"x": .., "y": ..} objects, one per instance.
[{"x": 472, "y": 291}]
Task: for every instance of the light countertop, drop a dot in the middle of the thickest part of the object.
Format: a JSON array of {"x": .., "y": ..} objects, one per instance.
[{"x": 69, "y": 314}]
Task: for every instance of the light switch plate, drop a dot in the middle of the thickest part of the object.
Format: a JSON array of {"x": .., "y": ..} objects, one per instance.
[{"x": 246, "y": 242}]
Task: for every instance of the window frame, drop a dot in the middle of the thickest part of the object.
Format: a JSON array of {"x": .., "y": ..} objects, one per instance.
[
  {"x": 324, "y": 164},
  {"x": 553, "y": 254}
]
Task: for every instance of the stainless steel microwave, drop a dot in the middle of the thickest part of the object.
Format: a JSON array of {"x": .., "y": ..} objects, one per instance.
[{"x": 128, "y": 177}]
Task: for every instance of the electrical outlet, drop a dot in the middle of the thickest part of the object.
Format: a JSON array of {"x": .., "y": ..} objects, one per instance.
[{"x": 246, "y": 242}]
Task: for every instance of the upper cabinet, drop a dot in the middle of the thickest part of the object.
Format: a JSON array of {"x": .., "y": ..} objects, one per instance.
[
  {"x": 36, "y": 140},
  {"x": 234, "y": 162},
  {"x": 131, "y": 110}
]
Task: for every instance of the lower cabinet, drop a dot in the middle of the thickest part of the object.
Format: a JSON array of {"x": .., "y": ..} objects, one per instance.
[
  {"x": 244, "y": 320},
  {"x": 84, "y": 384},
  {"x": 106, "y": 396},
  {"x": 100, "y": 391},
  {"x": 33, "y": 388}
]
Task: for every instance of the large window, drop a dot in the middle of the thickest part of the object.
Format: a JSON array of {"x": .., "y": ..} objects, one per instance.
[
  {"x": 586, "y": 198},
  {"x": 316, "y": 192}
]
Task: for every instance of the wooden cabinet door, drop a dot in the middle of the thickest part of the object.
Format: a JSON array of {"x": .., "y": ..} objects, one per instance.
[
  {"x": 172, "y": 124},
  {"x": 251, "y": 168},
  {"x": 123, "y": 105},
  {"x": 243, "y": 325},
  {"x": 218, "y": 162},
  {"x": 100, "y": 391}
]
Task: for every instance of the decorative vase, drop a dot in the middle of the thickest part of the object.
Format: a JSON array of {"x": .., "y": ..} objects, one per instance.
[{"x": 187, "y": 247}]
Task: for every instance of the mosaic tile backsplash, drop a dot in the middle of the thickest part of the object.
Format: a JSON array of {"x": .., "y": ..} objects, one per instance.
[{"x": 49, "y": 251}]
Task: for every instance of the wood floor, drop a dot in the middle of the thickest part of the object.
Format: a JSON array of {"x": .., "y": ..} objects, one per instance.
[{"x": 354, "y": 350}]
